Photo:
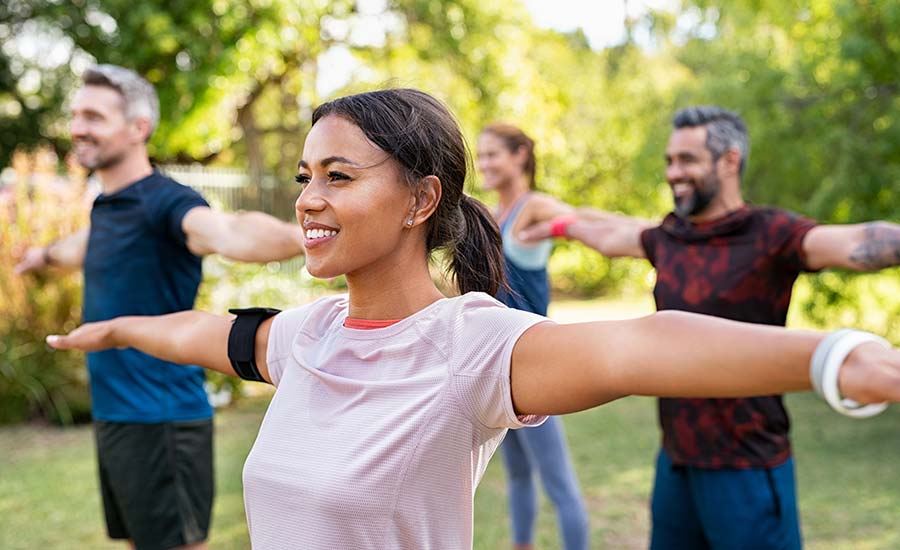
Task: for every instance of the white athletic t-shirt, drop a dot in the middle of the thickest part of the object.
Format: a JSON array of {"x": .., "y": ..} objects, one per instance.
[{"x": 378, "y": 438}]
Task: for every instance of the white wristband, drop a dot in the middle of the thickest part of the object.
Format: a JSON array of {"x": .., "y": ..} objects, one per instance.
[{"x": 826, "y": 363}]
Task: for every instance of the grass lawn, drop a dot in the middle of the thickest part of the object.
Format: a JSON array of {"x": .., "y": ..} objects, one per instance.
[{"x": 848, "y": 470}]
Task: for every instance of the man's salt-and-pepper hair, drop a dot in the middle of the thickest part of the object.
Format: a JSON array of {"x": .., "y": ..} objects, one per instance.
[
  {"x": 724, "y": 130},
  {"x": 139, "y": 96}
]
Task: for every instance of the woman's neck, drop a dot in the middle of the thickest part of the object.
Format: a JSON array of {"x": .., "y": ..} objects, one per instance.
[{"x": 391, "y": 293}]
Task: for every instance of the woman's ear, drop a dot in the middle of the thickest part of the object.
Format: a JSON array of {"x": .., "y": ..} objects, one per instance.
[
  {"x": 521, "y": 156},
  {"x": 426, "y": 200}
]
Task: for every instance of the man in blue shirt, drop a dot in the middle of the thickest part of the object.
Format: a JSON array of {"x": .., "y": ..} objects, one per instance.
[{"x": 141, "y": 255}]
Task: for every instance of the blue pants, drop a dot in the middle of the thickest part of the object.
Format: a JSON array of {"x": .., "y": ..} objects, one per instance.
[
  {"x": 543, "y": 448},
  {"x": 695, "y": 508}
]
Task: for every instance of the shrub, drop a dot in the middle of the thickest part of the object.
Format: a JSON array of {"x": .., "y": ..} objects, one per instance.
[{"x": 36, "y": 207}]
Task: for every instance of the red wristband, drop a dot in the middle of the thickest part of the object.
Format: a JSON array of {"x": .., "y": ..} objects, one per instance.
[{"x": 559, "y": 226}]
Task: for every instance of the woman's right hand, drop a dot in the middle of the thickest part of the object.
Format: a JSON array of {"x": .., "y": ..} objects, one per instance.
[{"x": 88, "y": 337}]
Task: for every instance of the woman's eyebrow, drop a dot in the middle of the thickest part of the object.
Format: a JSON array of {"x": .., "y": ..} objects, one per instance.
[{"x": 327, "y": 161}]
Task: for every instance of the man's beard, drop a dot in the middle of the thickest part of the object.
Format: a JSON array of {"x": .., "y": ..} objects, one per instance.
[
  {"x": 696, "y": 202},
  {"x": 99, "y": 160}
]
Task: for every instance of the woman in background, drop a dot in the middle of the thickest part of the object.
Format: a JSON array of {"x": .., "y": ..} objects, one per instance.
[{"x": 507, "y": 165}]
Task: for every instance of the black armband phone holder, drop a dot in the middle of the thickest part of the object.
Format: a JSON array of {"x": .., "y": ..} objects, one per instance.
[{"x": 242, "y": 340}]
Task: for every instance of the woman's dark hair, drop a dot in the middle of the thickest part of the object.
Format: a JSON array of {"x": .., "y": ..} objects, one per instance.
[
  {"x": 420, "y": 133},
  {"x": 514, "y": 139}
]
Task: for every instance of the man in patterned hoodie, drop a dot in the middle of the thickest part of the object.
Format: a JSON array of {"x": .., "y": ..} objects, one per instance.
[{"x": 724, "y": 475}]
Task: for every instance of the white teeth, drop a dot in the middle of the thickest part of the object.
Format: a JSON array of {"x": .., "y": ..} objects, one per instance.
[
  {"x": 319, "y": 233},
  {"x": 681, "y": 188}
]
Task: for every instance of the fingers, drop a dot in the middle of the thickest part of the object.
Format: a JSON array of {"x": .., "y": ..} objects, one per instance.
[
  {"x": 31, "y": 260},
  {"x": 57, "y": 341},
  {"x": 871, "y": 374},
  {"x": 22, "y": 268}
]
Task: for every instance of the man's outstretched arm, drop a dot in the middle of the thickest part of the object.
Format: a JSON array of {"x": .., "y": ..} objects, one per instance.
[
  {"x": 612, "y": 235},
  {"x": 67, "y": 252},
  {"x": 243, "y": 236},
  {"x": 861, "y": 247}
]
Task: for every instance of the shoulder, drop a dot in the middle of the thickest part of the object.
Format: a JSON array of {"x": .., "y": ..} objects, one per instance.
[
  {"x": 164, "y": 189},
  {"x": 657, "y": 230},
  {"x": 535, "y": 201},
  {"x": 779, "y": 218},
  {"x": 774, "y": 213},
  {"x": 470, "y": 318},
  {"x": 168, "y": 201},
  {"x": 482, "y": 319},
  {"x": 537, "y": 198},
  {"x": 316, "y": 317}
]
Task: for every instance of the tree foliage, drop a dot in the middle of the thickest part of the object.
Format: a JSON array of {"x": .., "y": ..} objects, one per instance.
[{"x": 817, "y": 82}]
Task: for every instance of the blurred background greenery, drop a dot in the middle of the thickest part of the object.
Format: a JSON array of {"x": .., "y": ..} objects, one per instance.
[{"x": 817, "y": 81}]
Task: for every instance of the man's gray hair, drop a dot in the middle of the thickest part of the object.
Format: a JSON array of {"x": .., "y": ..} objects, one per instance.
[
  {"x": 724, "y": 130},
  {"x": 139, "y": 95}
]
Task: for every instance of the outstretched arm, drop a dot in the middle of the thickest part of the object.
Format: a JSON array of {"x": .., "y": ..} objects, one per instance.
[
  {"x": 244, "y": 236},
  {"x": 860, "y": 247},
  {"x": 612, "y": 235},
  {"x": 67, "y": 252},
  {"x": 187, "y": 337},
  {"x": 678, "y": 354}
]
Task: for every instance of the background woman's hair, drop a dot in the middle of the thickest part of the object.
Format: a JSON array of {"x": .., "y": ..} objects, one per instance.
[
  {"x": 421, "y": 134},
  {"x": 514, "y": 139}
]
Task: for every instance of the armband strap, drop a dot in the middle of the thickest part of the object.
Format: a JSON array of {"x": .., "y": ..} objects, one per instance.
[{"x": 242, "y": 340}]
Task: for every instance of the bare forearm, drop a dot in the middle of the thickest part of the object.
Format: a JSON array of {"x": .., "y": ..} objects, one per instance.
[
  {"x": 186, "y": 337},
  {"x": 880, "y": 247},
  {"x": 677, "y": 354},
  {"x": 610, "y": 234},
  {"x": 594, "y": 233},
  {"x": 259, "y": 237},
  {"x": 668, "y": 354},
  {"x": 67, "y": 252}
]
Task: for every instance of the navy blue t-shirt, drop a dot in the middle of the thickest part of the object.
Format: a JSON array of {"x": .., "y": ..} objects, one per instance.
[{"x": 138, "y": 263}]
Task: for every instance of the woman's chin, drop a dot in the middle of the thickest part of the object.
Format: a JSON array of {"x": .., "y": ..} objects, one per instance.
[{"x": 321, "y": 272}]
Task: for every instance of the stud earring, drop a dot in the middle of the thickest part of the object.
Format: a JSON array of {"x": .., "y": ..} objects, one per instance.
[{"x": 409, "y": 221}]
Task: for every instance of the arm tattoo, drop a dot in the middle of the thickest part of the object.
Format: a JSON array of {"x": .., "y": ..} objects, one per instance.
[{"x": 880, "y": 247}]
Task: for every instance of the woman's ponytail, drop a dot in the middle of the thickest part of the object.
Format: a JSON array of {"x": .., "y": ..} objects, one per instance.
[{"x": 477, "y": 252}]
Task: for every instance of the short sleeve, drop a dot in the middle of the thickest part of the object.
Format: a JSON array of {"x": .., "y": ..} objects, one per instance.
[
  {"x": 485, "y": 334},
  {"x": 648, "y": 243},
  {"x": 174, "y": 201},
  {"x": 282, "y": 332},
  {"x": 787, "y": 232}
]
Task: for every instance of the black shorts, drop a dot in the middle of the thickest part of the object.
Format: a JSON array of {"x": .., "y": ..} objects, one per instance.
[{"x": 156, "y": 481}]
